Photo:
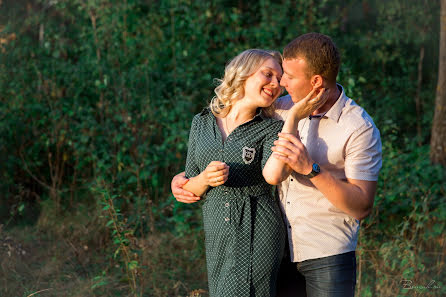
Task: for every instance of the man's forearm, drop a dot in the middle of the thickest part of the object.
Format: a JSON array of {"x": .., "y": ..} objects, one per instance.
[{"x": 354, "y": 197}]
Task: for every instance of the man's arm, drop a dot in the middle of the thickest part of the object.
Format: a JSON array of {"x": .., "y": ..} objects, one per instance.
[
  {"x": 178, "y": 181},
  {"x": 354, "y": 197},
  {"x": 215, "y": 174}
]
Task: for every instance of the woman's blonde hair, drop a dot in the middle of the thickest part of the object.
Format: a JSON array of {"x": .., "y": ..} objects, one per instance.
[{"x": 237, "y": 71}]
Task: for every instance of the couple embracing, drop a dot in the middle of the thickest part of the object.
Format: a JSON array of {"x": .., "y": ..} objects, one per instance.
[{"x": 319, "y": 147}]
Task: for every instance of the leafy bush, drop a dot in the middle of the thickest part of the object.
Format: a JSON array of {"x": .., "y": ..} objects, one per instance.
[{"x": 97, "y": 99}]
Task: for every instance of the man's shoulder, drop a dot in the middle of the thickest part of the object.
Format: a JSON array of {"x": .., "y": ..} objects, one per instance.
[{"x": 355, "y": 117}]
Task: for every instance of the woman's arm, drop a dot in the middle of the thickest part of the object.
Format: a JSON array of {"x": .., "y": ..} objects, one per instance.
[
  {"x": 275, "y": 170},
  {"x": 215, "y": 174}
]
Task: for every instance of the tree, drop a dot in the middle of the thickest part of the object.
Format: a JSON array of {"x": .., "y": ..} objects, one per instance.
[{"x": 438, "y": 138}]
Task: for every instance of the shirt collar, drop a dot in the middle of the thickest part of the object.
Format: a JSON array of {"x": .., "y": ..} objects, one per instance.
[
  {"x": 335, "y": 111},
  {"x": 260, "y": 114},
  {"x": 205, "y": 111}
]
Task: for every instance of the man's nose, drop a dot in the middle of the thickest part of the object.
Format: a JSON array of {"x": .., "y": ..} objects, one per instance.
[{"x": 283, "y": 82}]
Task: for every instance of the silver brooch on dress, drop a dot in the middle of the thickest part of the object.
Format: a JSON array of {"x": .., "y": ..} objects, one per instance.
[{"x": 248, "y": 154}]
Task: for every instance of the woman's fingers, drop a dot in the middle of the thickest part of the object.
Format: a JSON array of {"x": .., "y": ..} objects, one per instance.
[
  {"x": 309, "y": 95},
  {"x": 320, "y": 99},
  {"x": 216, "y": 166},
  {"x": 216, "y": 173}
]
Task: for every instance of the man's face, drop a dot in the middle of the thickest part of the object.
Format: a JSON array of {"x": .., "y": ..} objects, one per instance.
[{"x": 295, "y": 79}]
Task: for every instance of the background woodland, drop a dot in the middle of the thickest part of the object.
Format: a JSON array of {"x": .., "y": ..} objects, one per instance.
[{"x": 96, "y": 101}]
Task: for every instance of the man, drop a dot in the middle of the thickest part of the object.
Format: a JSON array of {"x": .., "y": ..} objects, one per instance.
[{"x": 335, "y": 159}]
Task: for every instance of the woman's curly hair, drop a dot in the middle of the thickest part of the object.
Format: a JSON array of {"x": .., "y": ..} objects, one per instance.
[{"x": 237, "y": 71}]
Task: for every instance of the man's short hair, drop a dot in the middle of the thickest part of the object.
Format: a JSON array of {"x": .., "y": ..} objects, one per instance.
[{"x": 320, "y": 53}]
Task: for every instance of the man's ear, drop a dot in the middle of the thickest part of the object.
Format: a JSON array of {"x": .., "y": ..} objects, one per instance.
[{"x": 317, "y": 81}]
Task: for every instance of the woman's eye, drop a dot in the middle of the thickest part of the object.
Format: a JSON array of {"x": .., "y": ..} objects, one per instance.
[{"x": 268, "y": 74}]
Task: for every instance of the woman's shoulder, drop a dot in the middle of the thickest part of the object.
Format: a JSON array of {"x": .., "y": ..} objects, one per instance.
[
  {"x": 202, "y": 115},
  {"x": 272, "y": 124}
]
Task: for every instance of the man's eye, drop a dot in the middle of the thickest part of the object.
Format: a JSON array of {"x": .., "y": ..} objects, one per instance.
[{"x": 268, "y": 74}]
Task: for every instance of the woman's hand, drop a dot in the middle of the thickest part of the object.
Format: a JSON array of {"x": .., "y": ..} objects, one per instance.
[
  {"x": 215, "y": 174},
  {"x": 307, "y": 105}
]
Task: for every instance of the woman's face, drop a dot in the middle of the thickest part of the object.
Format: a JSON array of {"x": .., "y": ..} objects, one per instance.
[{"x": 263, "y": 87}]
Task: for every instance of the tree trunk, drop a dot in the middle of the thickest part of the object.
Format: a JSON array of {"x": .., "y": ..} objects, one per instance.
[
  {"x": 438, "y": 138},
  {"x": 417, "y": 96}
]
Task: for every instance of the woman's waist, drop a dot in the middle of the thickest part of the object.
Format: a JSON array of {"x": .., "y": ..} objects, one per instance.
[{"x": 225, "y": 192}]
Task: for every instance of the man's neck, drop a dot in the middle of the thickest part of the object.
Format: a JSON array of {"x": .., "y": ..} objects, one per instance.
[{"x": 333, "y": 97}]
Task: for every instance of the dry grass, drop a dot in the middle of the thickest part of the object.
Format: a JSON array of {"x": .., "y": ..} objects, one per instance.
[{"x": 64, "y": 255}]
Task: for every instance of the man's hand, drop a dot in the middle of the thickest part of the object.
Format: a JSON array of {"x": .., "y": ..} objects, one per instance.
[
  {"x": 181, "y": 195},
  {"x": 290, "y": 149}
]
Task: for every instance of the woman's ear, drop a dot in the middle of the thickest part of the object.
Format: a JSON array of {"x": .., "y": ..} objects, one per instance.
[{"x": 317, "y": 81}]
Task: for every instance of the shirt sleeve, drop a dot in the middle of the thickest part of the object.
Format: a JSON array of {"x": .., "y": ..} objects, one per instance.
[
  {"x": 363, "y": 158},
  {"x": 191, "y": 164},
  {"x": 271, "y": 136}
]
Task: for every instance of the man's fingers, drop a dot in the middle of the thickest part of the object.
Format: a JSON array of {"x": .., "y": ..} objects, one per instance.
[
  {"x": 282, "y": 150},
  {"x": 179, "y": 181},
  {"x": 184, "y": 193},
  {"x": 188, "y": 199},
  {"x": 282, "y": 158},
  {"x": 287, "y": 144},
  {"x": 291, "y": 138}
]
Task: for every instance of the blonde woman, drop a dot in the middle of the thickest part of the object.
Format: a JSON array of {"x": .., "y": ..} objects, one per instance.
[{"x": 229, "y": 161}]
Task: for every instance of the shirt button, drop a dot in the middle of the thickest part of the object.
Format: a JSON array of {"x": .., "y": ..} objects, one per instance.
[
  {"x": 289, "y": 226},
  {"x": 226, "y": 192},
  {"x": 227, "y": 204},
  {"x": 292, "y": 179},
  {"x": 226, "y": 219},
  {"x": 288, "y": 202}
]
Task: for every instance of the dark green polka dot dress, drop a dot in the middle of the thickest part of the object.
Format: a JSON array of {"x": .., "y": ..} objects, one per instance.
[{"x": 244, "y": 231}]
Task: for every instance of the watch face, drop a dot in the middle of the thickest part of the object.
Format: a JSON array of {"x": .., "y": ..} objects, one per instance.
[{"x": 316, "y": 167}]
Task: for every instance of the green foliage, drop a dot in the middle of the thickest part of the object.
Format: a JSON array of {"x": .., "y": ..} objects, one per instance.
[{"x": 105, "y": 90}]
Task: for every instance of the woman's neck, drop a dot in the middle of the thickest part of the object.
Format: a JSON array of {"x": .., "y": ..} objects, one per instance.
[{"x": 241, "y": 112}]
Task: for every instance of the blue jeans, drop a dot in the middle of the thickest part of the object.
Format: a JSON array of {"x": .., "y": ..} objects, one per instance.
[{"x": 333, "y": 276}]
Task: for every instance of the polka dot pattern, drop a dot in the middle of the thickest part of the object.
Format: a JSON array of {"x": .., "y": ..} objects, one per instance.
[{"x": 244, "y": 232}]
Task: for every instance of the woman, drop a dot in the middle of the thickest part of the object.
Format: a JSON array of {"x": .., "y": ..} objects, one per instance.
[{"x": 229, "y": 160}]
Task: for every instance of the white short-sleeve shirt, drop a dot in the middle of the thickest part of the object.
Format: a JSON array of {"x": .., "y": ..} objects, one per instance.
[{"x": 346, "y": 143}]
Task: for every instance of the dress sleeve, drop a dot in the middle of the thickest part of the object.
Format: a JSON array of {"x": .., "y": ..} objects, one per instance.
[
  {"x": 363, "y": 158},
  {"x": 191, "y": 164},
  {"x": 274, "y": 128}
]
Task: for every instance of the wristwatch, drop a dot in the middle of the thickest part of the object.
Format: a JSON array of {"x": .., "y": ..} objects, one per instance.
[{"x": 315, "y": 171}]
